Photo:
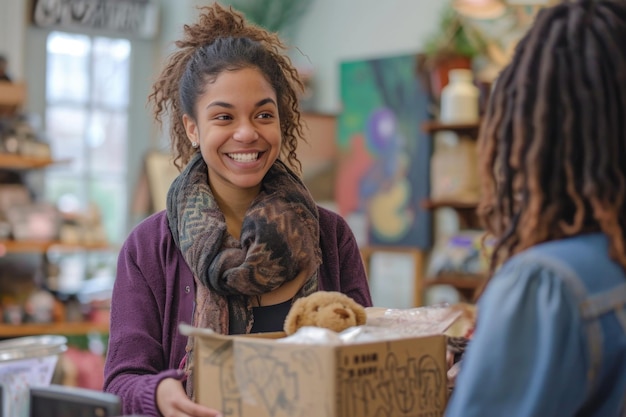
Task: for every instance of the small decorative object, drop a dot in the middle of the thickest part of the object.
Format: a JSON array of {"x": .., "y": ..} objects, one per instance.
[
  {"x": 454, "y": 172},
  {"x": 13, "y": 195},
  {"x": 328, "y": 309},
  {"x": 36, "y": 221},
  {"x": 454, "y": 45},
  {"x": 461, "y": 253},
  {"x": 83, "y": 228},
  {"x": 460, "y": 98},
  {"x": 12, "y": 313},
  {"x": 17, "y": 136},
  {"x": 39, "y": 307}
]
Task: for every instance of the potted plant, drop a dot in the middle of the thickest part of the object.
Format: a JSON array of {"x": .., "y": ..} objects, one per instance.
[
  {"x": 454, "y": 45},
  {"x": 274, "y": 15}
]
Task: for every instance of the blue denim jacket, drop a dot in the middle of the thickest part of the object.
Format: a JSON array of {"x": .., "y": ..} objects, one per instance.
[{"x": 550, "y": 337}]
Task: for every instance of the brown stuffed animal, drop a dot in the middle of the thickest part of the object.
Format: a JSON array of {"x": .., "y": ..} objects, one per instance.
[{"x": 329, "y": 309}]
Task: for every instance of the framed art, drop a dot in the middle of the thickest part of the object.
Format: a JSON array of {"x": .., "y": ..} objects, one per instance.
[{"x": 395, "y": 275}]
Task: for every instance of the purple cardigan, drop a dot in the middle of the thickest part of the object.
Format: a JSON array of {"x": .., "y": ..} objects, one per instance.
[{"x": 154, "y": 292}]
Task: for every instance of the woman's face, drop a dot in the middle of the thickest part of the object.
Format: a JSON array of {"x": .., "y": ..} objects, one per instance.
[{"x": 237, "y": 128}]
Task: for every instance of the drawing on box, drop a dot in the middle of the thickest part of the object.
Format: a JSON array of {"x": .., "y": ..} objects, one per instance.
[
  {"x": 309, "y": 364},
  {"x": 222, "y": 357},
  {"x": 399, "y": 388},
  {"x": 274, "y": 381},
  {"x": 266, "y": 380},
  {"x": 431, "y": 383}
]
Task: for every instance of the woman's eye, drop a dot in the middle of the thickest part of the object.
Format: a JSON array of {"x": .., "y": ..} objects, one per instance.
[
  {"x": 265, "y": 115},
  {"x": 222, "y": 117}
]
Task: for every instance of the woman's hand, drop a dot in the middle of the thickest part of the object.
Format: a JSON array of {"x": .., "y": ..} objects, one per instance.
[{"x": 172, "y": 401}]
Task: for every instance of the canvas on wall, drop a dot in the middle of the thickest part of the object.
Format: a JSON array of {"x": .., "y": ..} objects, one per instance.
[{"x": 383, "y": 154}]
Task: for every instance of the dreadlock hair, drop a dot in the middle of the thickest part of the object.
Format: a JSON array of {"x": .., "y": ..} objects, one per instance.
[
  {"x": 222, "y": 40},
  {"x": 553, "y": 141}
]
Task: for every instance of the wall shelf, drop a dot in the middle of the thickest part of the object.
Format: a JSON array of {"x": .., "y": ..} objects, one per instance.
[
  {"x": 43, "y": 246},
  {"x": 458, "y": 280},
  {"x": 433, "y": 126},
  {"x": 455, "y": 204},
  {"x": 466, "y": 284},
  {"x": 11, "y": 161},
  {"x": 465, "y": 210},
  {"x": 64, "y": 329}
]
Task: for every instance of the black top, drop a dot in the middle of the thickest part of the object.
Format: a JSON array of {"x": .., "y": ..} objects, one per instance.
[{"x": 270, "y": 318}]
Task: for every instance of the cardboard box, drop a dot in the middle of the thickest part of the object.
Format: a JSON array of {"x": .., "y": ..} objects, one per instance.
[{"x": 255, "y": 376}]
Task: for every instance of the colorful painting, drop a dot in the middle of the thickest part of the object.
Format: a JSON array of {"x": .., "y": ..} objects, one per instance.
[{"x": 384, "y": 155}]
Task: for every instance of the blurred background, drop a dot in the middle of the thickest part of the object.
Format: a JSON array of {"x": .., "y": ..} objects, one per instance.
[{"x": 395, "y": 91}]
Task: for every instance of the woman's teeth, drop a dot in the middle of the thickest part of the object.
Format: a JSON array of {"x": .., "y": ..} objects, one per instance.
[{"x": 244, "y": 157}]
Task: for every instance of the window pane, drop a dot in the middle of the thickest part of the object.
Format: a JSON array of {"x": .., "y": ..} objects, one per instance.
[
  {"x": 86, "y": 123},
  {"x": 66, "y": 191},
  {"x": 67, "y": 71},
  {"x": 111, "y": 71},
  {"x": 65, "y": 127},
  {"x": 106, "y": 139},
  {"x": 110, "y": 196}
]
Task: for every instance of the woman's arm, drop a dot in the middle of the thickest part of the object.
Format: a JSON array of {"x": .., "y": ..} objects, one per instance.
[
  {"x": 136, "y": 361},
  {"x": 342, "y": 265}
]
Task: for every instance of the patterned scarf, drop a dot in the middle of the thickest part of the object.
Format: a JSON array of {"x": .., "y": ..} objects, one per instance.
[{"x": 279, "y": 239}]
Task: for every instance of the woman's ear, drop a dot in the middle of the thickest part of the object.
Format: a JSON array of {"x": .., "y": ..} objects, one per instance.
[{"x": 191, "y": 128}]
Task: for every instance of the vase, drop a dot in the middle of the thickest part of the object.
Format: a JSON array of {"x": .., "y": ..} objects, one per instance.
[
  {"x": 460, "y": 98},
  {"x": 440, "y": 69}
]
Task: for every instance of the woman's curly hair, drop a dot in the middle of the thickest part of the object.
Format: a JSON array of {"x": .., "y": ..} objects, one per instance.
[
  {"x": 223, "y": 40},
  {"x": 553, "y": 143}
]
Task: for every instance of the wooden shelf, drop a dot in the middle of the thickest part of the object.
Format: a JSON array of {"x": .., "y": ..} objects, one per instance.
[
  {"x": 468, "y": 285},
  {"x": 34, "y": 246},
  {"x": 457, "y": 280},
  {"x": 455, "y": 204},
  {"x": 10, "y": 161},
  {"x": 466, "y": 211},
  {"x": 433, "y": 126},
  {"x": 64, "y": 329}
]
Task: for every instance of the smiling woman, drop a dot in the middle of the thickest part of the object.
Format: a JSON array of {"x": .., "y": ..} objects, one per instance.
[
  {"x": 240, "y": 228},
  {"x": 238, "y": 132}
]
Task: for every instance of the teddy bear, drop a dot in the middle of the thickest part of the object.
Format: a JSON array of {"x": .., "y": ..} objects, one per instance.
[{"x": 328, "y": 309}]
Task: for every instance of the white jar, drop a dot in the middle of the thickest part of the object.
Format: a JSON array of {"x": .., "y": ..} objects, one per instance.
[{"x": 459, "y": 98}]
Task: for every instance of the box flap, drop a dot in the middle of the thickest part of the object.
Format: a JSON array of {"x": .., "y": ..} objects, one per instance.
[{"x": 189, "y": 330}]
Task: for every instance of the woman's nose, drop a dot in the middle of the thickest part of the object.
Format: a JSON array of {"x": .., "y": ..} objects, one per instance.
[{"x": 246, "y": 133}]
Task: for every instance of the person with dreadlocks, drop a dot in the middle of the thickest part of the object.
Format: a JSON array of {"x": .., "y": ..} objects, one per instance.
[
  {"x": 241, "y": 237},
  {"x": 550, "y": 337}
]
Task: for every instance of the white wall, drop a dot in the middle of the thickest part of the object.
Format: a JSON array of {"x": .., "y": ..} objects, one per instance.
[
  {"x": 12, "y": 29},
  {"x": 331, "y": 32},
  {"x": 338, "y": 30}
]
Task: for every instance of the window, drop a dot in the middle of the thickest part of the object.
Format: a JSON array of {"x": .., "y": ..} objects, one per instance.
[
  {"x": 87, "y": 99},
  {"x": 86, "y": 124}
]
